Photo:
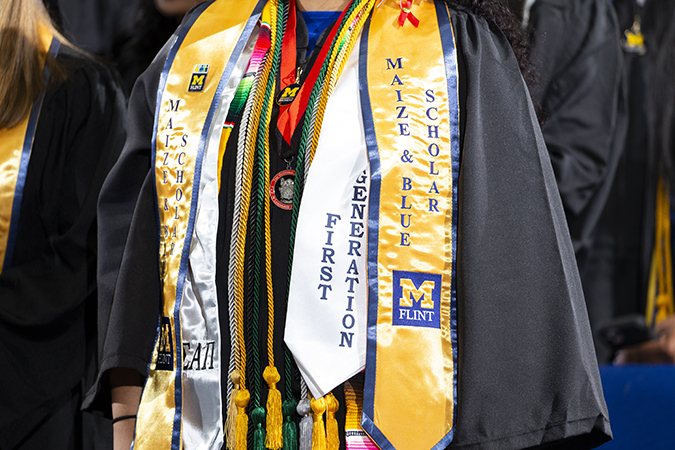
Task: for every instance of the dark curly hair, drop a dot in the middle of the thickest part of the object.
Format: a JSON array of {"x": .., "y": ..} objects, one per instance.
[{"x": 497, "y": 12}]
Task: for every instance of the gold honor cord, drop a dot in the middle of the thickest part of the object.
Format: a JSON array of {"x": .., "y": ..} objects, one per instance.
[
  {"x": 411, "y": 110},
  {"x": 17, "y": 143},
  {"x": 192, "y": 75},
  {"x": 246, "y": 152},
  {"x": 660, "y": 293}
]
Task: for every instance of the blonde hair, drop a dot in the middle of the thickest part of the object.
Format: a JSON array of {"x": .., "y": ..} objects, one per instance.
[{"x": 21, "y": 57}]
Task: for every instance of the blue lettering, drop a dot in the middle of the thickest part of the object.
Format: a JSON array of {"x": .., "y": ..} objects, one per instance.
[
  {"x": 346, "y": 338},
  {"x": 353, "y": 270},
  {"x": 357, "y": 229},
  {"x": 326, "y": 273},
  {"x": 351, "y": 284},
  {"x": 354, "y": 247},
  {"x": 401, "y": 111},
  {"x": 173, "y": 106},
  {"x": 328, "y": 254},
  {"x": 394, "y": 65},
  {"x": 325, "y": 288},
  {"x": 358, "y": 210},
  {"x": 332, "y": 220},
  {"x": 404, "y": 131},
  {"x": 359, "y": 194}
]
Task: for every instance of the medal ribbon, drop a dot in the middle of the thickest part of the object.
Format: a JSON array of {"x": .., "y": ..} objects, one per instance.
[
  {"x": 204, "y": 60},
  {"x": 290, "y": 115},
  {"x": 17, "y": 143},
  {"x": 411, "y": 118}
]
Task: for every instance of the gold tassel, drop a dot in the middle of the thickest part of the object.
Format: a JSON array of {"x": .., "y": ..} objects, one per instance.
[
  {"x": 318, "y": 431},
  {"x": 231, "y": 422},
  {"x": 332, "y": 433},
  {"x": 241, "y": 401},
  {"x": 274, "y": 439}
]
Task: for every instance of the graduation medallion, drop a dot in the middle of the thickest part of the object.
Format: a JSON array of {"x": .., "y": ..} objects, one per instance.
[
  {"x": 281, "y": 189},
  {"x": 287, "y": 94}
]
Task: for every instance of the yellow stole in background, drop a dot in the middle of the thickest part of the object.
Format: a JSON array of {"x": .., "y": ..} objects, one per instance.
[
  {"x": 197, "y": 70},
  {"x": 411, "y": 118},
  {"x": 16, "y": 144}
]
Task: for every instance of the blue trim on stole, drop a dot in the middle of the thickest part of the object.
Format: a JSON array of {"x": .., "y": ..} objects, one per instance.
[
  {"x": 25, "y": 160},
  {"x": 243, "y": 39},
  {"x": 451, "y": 73},
  {"x": 373, "y": 228},
  {"x": 449, "y": 51}
]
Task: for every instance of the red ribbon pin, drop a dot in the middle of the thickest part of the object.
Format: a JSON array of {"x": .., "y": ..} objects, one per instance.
[{"x": 406, "y": 14}]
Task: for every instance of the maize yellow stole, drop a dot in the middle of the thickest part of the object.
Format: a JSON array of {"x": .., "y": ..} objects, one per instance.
[
  {"x": 196, "y": 72},
  {"x": 16, "y": 144},
  {"x": 411, "y": 118}
]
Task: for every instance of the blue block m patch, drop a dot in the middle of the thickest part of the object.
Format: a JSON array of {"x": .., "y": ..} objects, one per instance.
[{"x": 417, "y": 299}]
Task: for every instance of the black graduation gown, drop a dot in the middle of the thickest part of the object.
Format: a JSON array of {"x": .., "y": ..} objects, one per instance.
[
  {"x": 48, "y": 295},
  {"x": 527, "y": 371},
  {"x": 622, "y": 253},
  {"x": 581, "y": 95}
]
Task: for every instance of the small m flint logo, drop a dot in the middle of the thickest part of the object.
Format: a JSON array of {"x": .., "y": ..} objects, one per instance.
[
  {"x": 165, "y": 346},
  {"x": 198, "y": 78},
  {"x": 417, "y": 299}
]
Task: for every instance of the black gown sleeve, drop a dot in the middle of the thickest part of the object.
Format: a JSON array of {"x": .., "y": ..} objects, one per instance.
[
  {"x": 575, "y": 48},
  {"x": 527, "y": 370},
  {"x": 128, "y": 268}
]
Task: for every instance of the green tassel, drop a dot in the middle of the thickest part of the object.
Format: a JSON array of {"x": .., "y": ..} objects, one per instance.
[
  {"x": 290, "y": 428},
  {"x": 257, "y": 421}
]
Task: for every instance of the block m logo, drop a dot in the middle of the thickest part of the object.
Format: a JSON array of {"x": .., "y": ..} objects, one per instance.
[
  {"x": 411, "y": 294},
  {"x": 416, "y": 299}
]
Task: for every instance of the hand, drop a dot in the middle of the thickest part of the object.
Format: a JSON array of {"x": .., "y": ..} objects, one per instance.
[
  {"x": 126, "y": 386},
  {"x": 659, "y": 350}
]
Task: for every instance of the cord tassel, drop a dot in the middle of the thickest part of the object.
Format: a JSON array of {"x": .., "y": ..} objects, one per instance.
[
  {"x": 257, "y": 420},
  {"x": 290, "y": 431},
  {"x": 231, "y": 421},
  {"x": 319, "y": 429},
  {"x": 274, "y": 440},
  {"x": 332, "y": 432},
  {"x": 304, "y": 409},
  {"x": 242, "y": 399}
]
